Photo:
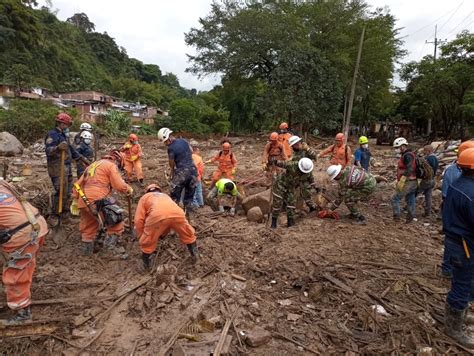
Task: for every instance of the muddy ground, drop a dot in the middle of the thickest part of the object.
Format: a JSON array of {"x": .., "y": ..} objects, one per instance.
[{"x": 320, "y": 287}]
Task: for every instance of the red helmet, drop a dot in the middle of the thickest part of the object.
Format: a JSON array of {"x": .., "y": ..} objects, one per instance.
[
  {"x": 133, "y": 137},
  {"x": 64, "y": 118},
  {"x": 116, "y": 156},
  {"x": 274, "y": 136},
  {"x": 340, "y": 136},
  {"x": 152, "y": 187},
  {"x": 283, "y": 126},
  {"x": 226, "y": 146},
  {"x": 466, "y": 159}
]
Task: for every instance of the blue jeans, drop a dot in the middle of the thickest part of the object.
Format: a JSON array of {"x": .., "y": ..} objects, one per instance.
[
  {"x": 198, "y": 199},
  {"x": 462, "y": 282},
  {"x": 426, "y": 188},
  {"x": 409, "y": 193}
]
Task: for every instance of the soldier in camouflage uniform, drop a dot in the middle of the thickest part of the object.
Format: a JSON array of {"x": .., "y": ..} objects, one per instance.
[
  {"x": 354, "y": 184},
  {"x": 302, "y": 150},
  {"x": 297, "y": 173}
]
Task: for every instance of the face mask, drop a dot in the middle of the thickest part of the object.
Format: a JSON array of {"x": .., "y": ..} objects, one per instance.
[
  {"x": 398, "y": 151},
  {"x": 365, "y": 145},
  {"x": 66, "y": 132},
  {"x": 87, "y": 141},
  {"x": 134, "y": 142}
]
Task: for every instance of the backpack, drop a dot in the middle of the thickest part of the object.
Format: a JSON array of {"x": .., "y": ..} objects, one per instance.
[{"x": 423, "y": 169}]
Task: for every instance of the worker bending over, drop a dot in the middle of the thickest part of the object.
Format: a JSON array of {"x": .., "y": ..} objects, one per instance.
[
  {"x": 155, "y": 216},
  {"x": 225, "y": 187}
]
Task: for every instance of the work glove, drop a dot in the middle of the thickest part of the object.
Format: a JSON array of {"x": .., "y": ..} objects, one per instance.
[
  {"x": 232, "y": 211},
  {"x": 63, "y": 146},
  {"x": 234, "y": 170},
  {"x": 401, "y": 183},
  {"x": 133, "y": 158},
  {"x": 127, "y": 146},
  {"x": 328, "y": 214},
  {"x": 264, "y": 166},
  {"x": 74, "y": 208},
  {"x": 129, "y": 191},
  {"x": 221, "y": 208}
]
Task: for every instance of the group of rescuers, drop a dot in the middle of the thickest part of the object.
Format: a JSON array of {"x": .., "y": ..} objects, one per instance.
[{"x": 288, "y": 162}]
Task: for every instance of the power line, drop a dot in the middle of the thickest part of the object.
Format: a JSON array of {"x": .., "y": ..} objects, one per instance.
[
  {"x": 450, "y": 17},
  {"x": 459, "y": 24}
]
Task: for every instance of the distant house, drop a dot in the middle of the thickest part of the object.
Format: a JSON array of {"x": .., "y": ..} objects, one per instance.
[
  {"x": 7, "y": 91},
  {"x": 89, "y": 104}
]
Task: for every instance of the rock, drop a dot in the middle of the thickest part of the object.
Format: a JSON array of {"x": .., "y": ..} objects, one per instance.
[
  {"x": 293, "y": 317},
  {"x": 193, "y": 142},
  {"x": 9, "y": 145},
  {"x": 315, "y": 292},
  {"x": 262, "y": 200},
  {"x": 255, "y": 214},
  {"x": 257, "y": 337}
]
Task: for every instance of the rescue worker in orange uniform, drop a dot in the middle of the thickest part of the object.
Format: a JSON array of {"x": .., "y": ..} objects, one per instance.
[
  {"x": 97, "y": 183},
  {"x": 226, "y": 164},
  {"x": 273, "y": 152},
  {"x": 133, "y": 158},
  {"x": 339, "y": 152},
  {"x": 22, "y": 233},
  {"x": 155, "y": 216},
  {"x": 283, "y": 137}
]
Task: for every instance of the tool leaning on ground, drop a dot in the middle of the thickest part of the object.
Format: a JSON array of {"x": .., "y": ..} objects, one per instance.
[{"x": 58, "y": 230}]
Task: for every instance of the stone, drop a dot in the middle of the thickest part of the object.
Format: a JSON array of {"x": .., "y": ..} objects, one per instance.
[
  {"x": 315, "y": 292},
  {"x": 10, "y": 145},
  {"x": 255, "y": 214},
  {"x": 257, "y": 337},
  {"x": 262, "y": 200}
]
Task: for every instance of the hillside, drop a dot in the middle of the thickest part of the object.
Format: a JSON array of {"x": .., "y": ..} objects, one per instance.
[{"x": 36, "y": 48}]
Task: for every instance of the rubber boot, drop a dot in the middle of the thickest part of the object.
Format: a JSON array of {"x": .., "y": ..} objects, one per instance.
[
  {"x": 361, "y": 220},
  {"x": 110, "y": 241},
  {"x": 468, "y": 318},
  {"x": 87, "y": 248},
  {"x": 146, "y": 261},
  {"x": 274, "y": 223},
  {"x": 193, "y": 250},
  {"x": 409, "y": 218},
  {"x": 453, "y": 324},
  {"x": 21, "y": 316},
  {"x": 290, "y": 222}
]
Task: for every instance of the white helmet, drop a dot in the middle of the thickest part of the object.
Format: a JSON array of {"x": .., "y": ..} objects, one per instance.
[
  {"x": 334, "y": 170},
  {"x": 399, "y": 142},
  {"x": 85, "y": 127},
  {"x": 164, "y": 133},
  {"x": 86, "y": 134},
  {"x": 305, "y": 165},
  {"x": 294, "y": 139}
]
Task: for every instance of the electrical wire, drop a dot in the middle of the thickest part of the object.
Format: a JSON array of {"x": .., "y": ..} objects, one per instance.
[
  {"x": 450, "y": 17},
  {"x": 459, "y": 24}
]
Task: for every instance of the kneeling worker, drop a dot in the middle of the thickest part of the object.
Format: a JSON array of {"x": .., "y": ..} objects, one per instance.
[
  {"x": 354, "y": 184},
  {"x": 155, "y": 216},
  {"x": 22, "y": 233},
  {"x": 225, "y": 187}
]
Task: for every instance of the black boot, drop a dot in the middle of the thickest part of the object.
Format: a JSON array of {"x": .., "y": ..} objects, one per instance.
[
  {"x": 453, "y": 324},
  {"x": 146, "y": 261},
  {"x": 87, "y": 248},
  {"x": 21, "y": 316},
  {"x": 274, "y": 223},
  {"x": 193, "y": 250},
  {"x": 290, "y": 222},
  {"x": 409, "y": 218},
  {"x": 361, "y": 220}
]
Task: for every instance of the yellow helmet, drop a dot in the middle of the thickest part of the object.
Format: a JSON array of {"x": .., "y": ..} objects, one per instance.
[{"x": 363, "y": 140}]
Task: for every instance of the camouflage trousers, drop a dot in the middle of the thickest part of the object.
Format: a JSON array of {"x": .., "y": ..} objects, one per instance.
[
  {"x": 353, "y": 196},
  {"x": 283, "y": 197},
  {"x": 305, "y": 191}
]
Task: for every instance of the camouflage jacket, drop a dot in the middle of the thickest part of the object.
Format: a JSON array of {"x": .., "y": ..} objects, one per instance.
[
  {"x": 355, "y": 179},
  {"x": 304, "y": 152},
  {"x": 292, "y": 177}
]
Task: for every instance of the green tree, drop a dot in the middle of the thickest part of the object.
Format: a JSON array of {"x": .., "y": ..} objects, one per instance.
[
  {"x": 18, "y": 75},
  {"x": 82, "y": 22}
]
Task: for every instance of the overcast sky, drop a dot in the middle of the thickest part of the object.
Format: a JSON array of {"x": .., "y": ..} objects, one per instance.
[{"x": 153, "y": 31}]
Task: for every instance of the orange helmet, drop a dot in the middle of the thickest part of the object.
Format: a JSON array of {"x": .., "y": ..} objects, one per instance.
[
  {"x": 64, "y": 118},
  {"x": 116, "y": 156},
  {"x": 274, "y": 136},
  {"x": 466, "y": 159},
  {"x": 226, "y": 146},
  {"x": 464, "y": 146},
  {"x": 133, "y": 137},
  {"x": 152, "y": 187},
  {"x": 283, "y": 126},
  {"x": 340, "y": 136}
]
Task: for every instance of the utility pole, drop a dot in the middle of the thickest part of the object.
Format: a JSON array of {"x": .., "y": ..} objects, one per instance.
[
  {"x": 436, "y": 42},
  {"x": 353, "y": 86}
]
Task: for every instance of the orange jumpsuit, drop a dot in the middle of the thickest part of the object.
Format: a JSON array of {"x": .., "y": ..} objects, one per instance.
[
  {"x": 226, "y": 164},
  {"x": 18, "y": 273},
  {"x": 338, "y": 154},
  {"x": 97, "y": 182},
  {"x": 198, "y": 162},
  {"x": 133, "y": 160},
  {"x": 283, "y": 139},
  {"x": 156, "y": 214},
  {"x": 273, "y": 151}
]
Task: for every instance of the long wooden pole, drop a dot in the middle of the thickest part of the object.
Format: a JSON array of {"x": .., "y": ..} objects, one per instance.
[{"x": 354, "y": 80}]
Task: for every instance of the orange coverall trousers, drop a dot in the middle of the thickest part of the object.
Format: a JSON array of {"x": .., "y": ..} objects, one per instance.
[
  {"x": 131, "y": 166},
  {"x": 152, "y": 233},
  {"x": 89, "y": 226}
]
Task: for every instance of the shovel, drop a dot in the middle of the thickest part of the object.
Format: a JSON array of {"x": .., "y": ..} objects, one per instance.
[{"x": 58, "y": 231}]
